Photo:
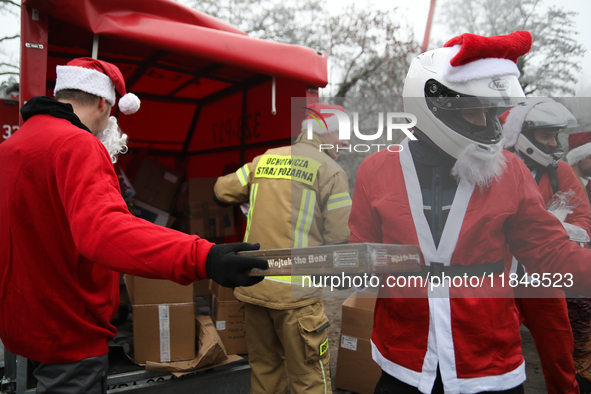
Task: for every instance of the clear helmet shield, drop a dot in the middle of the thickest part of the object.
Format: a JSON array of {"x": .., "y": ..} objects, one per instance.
[{"x": 549, "y": 115}]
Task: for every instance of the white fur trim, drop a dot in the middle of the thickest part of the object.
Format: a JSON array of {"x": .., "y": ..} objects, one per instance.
[
  {"x": 478, "y": 69},
  {"x": 479, "y": 166},
  {"x": 331, "y": 121},
  {"x": 579, "y": 153},
  {"x": 516, "y": 117},
  {"x": 129, "y": 104},
  {"x": 85, "y": 79}
]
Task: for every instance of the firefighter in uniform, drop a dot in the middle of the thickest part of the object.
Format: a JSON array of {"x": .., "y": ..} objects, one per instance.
[
  {"x": 299, "y": 197},
  {"x": 531, "y": 132}
]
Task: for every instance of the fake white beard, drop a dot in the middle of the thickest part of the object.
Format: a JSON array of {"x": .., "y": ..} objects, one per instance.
[
  {"x": 478, "y": 167},
  {"x": 113, "y": 139}
]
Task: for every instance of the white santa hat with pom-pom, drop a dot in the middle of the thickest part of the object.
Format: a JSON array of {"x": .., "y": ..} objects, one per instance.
[{"x": 99, "y": 78}]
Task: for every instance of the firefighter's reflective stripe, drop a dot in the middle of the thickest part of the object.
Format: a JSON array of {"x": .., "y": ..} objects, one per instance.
[
  {"x": 291, "y": 280},
  {"x": 302, "y": 229},
  {"x": 338, "y": 201},
  {"x": 304, "y": 219},
  {"x": 242, "y": 174},
  {"x": 294, "y": 168},
  {"x": 253, "y": 196}
]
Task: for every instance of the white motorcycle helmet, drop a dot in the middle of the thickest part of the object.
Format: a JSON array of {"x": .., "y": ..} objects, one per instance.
[
  {"x": 540, "y": 113},
  {"x": 436, "y": 93}
]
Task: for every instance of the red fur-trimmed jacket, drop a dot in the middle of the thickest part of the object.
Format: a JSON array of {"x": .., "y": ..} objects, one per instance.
[
  {"x": 475, "y": 341},
  {"x": 64, "y": 232}
]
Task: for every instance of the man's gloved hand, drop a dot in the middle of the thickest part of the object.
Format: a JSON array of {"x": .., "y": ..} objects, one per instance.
[{"x": 228, "y": 269}]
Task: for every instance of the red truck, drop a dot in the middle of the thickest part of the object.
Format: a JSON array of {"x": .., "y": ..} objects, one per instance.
[{"x": 9, "y": 114}]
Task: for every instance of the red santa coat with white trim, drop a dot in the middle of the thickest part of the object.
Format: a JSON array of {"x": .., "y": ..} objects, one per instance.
[{"x": 476, "y": 341}]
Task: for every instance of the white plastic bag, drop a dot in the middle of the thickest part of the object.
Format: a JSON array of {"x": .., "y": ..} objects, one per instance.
[{"x": 562, "y": 204}]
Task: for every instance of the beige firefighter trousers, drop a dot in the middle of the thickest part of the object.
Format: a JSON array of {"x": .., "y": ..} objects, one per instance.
[{"x": 288, "y": 348}]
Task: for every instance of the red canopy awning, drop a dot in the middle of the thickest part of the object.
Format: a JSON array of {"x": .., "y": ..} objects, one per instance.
[
  {"x": 197, "y": 77},
  {"x": 168, "y": 26}
]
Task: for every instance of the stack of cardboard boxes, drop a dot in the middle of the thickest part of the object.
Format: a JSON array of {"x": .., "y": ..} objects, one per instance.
[
  {"x": 163, "y": 312},
  {"x": 163, "y": 320},
  {"x": 228, "y": 317},
  {"x": 155, "y": 187},
  {"x": 356, "y": 370},
  {"x": 208, "y": 219}
]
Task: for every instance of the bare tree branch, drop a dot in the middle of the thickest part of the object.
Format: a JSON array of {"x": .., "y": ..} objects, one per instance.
[
  {"x": 10, "y": 37},
  {"x": 554, "y": 37}
]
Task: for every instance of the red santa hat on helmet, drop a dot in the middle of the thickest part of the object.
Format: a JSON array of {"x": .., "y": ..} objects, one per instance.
[
  {"x": 579, "y": 145},
  {"x": 476, "y": 57},
  {"x": 513, "y": 119},
  {"x": 322, "y": 123},
  {"x": 99, "y": 78}
]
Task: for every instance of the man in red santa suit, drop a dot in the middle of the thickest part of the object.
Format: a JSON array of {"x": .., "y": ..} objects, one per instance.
[
  {"x": 65, "y": 231},
  {"x": 457, "y": 194},
  {"x": 579, "y": 157},
  {"x": 531, "y": 132}
]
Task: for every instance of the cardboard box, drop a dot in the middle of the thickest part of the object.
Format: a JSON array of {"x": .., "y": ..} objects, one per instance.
[
  {"x": 357, "y": 316},
  {"x": 229, "y": 323},
  {"x": 356, "y": 370},
  {"x": 150, "y": 213},
  {"x": 201, "y": 288},
  {"x": 164, "y": 332},
  {"x": 143, "y": 291},
  {"x": 356, "y": 258},
  {"x": 211, "y": 350},
  {"x": 207, "y": 219},
  {"x": 221, "y": 293},
  {"x": 156, "y": 184},
  {"x": 210, "y": 221}
]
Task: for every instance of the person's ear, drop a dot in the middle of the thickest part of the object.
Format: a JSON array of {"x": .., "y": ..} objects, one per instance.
[{"x": 103, "y": 105}]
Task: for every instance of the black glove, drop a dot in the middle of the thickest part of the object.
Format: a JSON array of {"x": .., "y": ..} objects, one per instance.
[{"x": 228, "y": 269}]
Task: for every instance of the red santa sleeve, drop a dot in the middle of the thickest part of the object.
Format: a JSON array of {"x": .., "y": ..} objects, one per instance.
[
  {"x": 103, "y": 229},
  {"x": 364, "y": 221},
  {"x": 538, "y": 240}
]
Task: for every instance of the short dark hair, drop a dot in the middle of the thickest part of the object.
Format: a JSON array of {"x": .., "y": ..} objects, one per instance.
[{"x": 77, "y": 95}]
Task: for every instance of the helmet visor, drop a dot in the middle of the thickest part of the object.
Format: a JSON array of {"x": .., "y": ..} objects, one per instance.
[
  {"x": 549, "y": 115},
  {"x": 458, "y": 102},
  {"x": 440, "y": 97}
]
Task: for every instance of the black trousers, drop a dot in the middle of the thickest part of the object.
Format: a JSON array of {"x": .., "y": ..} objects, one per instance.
[
  {"x": 87, "y": 376},
  {"x": 389, "y": 384}
]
